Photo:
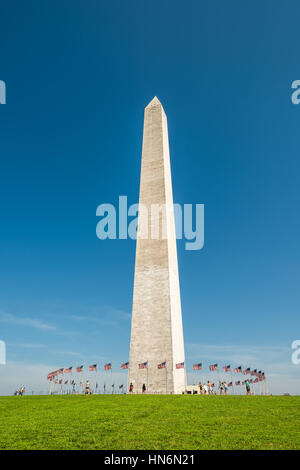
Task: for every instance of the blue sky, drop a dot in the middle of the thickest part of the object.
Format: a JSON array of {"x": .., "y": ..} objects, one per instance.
[{"x": 78, "y": 77}]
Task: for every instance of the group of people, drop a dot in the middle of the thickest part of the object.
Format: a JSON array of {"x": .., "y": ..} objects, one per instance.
[
  {"x": 20, "y": 392},
  {"x": 205, "y": 389},
  {"x": 209, "y": 388}
]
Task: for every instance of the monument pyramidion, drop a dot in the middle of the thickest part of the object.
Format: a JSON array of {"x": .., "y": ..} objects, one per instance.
[{"x": 156, "y": 344}]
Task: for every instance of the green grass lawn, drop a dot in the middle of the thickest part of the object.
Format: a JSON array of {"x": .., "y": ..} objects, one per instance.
[{"x": 149, "y": 422}]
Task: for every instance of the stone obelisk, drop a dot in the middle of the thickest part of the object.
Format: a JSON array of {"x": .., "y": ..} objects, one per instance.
[{"x": 156, "y": 328}]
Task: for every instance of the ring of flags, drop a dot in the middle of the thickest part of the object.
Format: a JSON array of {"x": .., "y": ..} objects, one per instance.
[{"x": 180, "y": 365}]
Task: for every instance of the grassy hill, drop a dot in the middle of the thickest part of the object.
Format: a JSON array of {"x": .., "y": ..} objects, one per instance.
[{"x": 149, "y": 422}]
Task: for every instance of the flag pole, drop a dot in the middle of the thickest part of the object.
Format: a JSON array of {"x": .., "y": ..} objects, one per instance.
[
  {"x": 232, "y": 381},
  {"x": 219, "y": 378},
  {"x": 147, "y": 374},
  {"x": 96, "y": 380},
  {"x": 251, "y": 386},
  {"x": 260, "y": 387},
  {"x": 128, "y": 378},
  {"x": 166, "y": 379},
  {"x": 242, "y": 381}
]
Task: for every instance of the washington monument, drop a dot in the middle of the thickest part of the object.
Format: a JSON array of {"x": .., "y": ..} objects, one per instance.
[{"x": 156, "y": 328}]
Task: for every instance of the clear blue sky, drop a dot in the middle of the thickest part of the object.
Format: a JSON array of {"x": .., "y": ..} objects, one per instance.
[{"x": 78, "y": 77}]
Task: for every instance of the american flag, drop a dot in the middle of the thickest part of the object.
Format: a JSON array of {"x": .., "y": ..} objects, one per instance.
[
  {"x": 143, "y": 365},
  {"x": 180, "y": 365},
  {"x": 238, "y": 369},
  {"x": 213, "y": 367},
  {"x": 79, "y": 369},
  {"x": 60, "y": 371},
  {"x": 67, "y": 371},
  {"x": 52, "y": 374},
  {"x": 226, "y": 368},
  {"x": 254, "y": 372},
  {"x": 197, "y": 366},
  {"x": 162, "y": 365},
  {"x": 93, "y": 367},
  {"x": 107, "y": 366},
  {"x": 247, "y": 371},
  {"x": 237, "y": 382},
  {"x": 125, "y": 365}
]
